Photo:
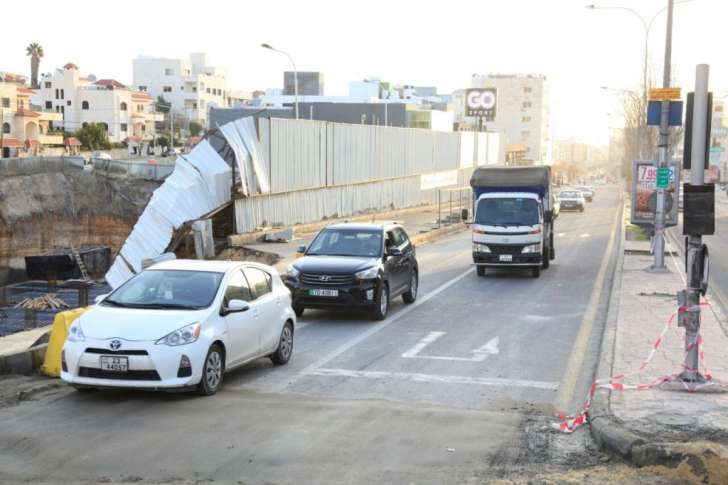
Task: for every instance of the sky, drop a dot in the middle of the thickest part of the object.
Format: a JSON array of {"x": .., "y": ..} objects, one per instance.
[{"x": 441, "y": 43}]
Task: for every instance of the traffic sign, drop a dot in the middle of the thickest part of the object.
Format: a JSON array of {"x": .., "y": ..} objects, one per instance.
[
  {"x": 664, "y": 94},
  {"x": 663, "y": 177}
]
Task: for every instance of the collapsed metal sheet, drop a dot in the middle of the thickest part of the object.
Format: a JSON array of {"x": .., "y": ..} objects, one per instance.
[{"x": 242, "y": 137}]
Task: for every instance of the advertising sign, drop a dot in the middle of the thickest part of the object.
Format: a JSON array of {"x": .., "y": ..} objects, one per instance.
[
  {"x": 481, "y": 103},
  {"x": 644, "y": 192}
]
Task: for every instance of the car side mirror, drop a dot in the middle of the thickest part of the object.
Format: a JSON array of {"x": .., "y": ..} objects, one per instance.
[
  {"x": 301, "y": 251},
  {"x": 464, "y": 215},
  {"x": 100, "y": 298},
  {"x": 235, "y": 306},
  {"x": 394, "y": 251}
]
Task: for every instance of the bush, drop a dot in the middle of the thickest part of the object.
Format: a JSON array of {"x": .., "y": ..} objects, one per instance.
[
  {"x": 162, "y": 141},
  {"x": 94, "y": 137}
]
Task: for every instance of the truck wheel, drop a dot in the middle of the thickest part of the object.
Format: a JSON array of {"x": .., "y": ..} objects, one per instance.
[
  {"x": 536, "y": 272},
  {"x": 480, "y": 270},
  {"x": 545, "y": 258}
]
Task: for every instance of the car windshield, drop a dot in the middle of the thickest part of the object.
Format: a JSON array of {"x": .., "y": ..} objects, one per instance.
[
  {"x": 507, "y": 212},
  {"x": 569, "y": 195},
  {"x": 171, "y": 289},
  {"x": 347, "y": 242}
]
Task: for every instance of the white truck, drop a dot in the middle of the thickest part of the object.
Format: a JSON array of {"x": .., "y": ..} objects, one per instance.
[{"x": 513, "y": 218}]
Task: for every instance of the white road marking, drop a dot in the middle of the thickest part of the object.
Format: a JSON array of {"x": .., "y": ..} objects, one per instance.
[
  {"x": 585, "y": 235},
  {"x": 479, "y": 354},
  {"x": 374, "y": 329},
  {"x": 417, "y": 377},
  {"x": 561, "y": 234}
]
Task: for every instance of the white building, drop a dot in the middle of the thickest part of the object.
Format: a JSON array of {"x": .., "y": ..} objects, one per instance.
[
  {"x": 128, "y": 116},
  {"x": 191, "y": 85},
  {"x": 523, "y": 114}
]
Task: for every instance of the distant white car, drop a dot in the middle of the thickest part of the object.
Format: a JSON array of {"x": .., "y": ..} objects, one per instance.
[
  {"x": 572, "y": 199},
  {"x": 181, "y": 324}
]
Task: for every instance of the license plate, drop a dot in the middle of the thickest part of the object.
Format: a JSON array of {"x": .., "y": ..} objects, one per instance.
[
  {"x": 323, "y": 292},
  {"x": 114, "y": 364},
  {"x": 506, "y": 258}
]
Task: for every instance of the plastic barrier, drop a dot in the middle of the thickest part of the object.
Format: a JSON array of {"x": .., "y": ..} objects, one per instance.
[{"x": 61, "y": 323}]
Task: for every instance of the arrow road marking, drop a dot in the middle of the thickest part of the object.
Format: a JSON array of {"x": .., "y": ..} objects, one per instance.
[{"x": 479, "y": 354}]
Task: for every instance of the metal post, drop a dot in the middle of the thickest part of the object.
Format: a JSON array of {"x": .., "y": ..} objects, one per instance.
[
  {"x": 691, "y": 321},
  {"x": 439, "y": 219},
  {"x": 659, "y": 247},
  {"x": 449, "y": 217}
]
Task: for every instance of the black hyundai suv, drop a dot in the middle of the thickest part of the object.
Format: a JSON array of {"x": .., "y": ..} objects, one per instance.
[{"x": 351, "y": 265}]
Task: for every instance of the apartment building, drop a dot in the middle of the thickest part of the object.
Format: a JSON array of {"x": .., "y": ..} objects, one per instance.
[
  {"x": 190, "y": 85},
  {"x": 25, "y": 130},
  {"x": 523, "y": 114},
  {"x": 128, "y": 116}
]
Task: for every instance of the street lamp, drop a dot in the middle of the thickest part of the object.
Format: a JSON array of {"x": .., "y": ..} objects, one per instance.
[
  {"x": 295, "y": 74},
  {"x": 647, "y": 26}
]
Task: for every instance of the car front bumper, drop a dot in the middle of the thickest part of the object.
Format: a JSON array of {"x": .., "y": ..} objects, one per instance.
[
  {"x": 360, "y": 294},
  {"x": 150, "y": 366},
  {"x": 491, "y": 259}
]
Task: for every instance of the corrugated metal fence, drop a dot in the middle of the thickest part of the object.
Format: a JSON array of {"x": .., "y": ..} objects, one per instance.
[{"x": 320, "y": 170}]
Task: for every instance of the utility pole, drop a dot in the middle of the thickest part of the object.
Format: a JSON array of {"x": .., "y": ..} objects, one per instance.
[
  {"x": 2, "y": 131},
  {"x": 658, "y": 265},
  {"x": 171, "y": 127},
  {"x": 691, "y": 372}
]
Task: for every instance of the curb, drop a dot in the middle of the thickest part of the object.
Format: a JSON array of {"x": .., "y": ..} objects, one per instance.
[
  {"x": 23, "y": 362},
  {"x": 702, "y": 461}
]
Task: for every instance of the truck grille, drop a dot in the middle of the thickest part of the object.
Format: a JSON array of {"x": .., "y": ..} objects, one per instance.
[
  {"x": 326, "y": 279},
  {"x": 505, "y": 248}
]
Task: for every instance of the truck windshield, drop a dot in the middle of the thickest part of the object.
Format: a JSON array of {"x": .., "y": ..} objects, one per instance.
[{"x": 507, "y": 212}]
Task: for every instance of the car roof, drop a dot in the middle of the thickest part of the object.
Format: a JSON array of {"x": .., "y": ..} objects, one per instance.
[
  {"x": 364, "y": 226},
  {"x": 204, "y": 265}
]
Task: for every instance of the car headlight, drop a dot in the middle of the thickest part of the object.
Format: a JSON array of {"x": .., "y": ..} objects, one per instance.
[
  {"x": 533, "y": 248},
  {"x": 480, "y": 248},
  {"x": 368, "y": 274},
  {"x": 292, "y": 271},
  {"x": 183, "y": 336},
  {"x": 75, "y": 333}
]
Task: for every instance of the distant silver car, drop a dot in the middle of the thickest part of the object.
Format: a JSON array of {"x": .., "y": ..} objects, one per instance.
[{"x": 572, "y": 200}]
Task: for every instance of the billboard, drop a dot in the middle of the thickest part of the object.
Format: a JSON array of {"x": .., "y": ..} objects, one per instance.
[
  {"x": 481, "y": 103},
  {"x": 644, "y": 193}
]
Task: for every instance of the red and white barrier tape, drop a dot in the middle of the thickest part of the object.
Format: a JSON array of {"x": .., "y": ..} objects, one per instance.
[{"x": 569, "y": 424}]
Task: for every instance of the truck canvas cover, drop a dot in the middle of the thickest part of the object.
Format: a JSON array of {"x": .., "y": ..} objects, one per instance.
[{"x": 512, "y": 179}]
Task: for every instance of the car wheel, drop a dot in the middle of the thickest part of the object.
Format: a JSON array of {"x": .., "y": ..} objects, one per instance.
[
  {"x": 581, "y": 209},
  {"x": 381, "y": 306},
  {"x": 480, "y": 270},
  {"x": 212, "y": 372},
  {"x": 536, "y": 272},
  {"x": 285, "y": 346},
  {"x": 298, "y": 310},
  {"x": 411, "y": 295}
]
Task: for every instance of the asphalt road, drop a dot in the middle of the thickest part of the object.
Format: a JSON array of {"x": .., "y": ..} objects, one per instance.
[{"x": 458, "y": 388}]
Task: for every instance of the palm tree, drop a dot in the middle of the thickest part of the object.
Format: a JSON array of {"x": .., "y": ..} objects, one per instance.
[{"x": 35, "y": 52}]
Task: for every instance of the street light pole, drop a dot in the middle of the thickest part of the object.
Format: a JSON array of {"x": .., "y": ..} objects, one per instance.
[{"x": 295, "y": 74}]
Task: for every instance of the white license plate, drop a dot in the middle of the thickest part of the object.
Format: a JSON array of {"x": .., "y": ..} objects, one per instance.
[
  {"x": 114, "y": 364},
  {"x": 506, "y": 258},
  {"x": 323, "y": 292}
]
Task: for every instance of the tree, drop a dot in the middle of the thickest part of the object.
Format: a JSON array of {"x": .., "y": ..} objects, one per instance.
[
  {"x": 195, "y": 128},
  {"x": 93, "y": 136},
  {"x": 35, "y": 52},
  {"x": 162, "y": 141}
]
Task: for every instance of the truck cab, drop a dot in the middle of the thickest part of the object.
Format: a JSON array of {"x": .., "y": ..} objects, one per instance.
[{"x": 513, "y": 215}]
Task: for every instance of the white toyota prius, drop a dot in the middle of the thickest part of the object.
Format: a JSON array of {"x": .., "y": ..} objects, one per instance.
[{"x": 180, "y": 325}]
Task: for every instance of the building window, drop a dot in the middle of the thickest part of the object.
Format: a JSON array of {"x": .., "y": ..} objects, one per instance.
[
  {"x": 6, "y": 102},
  {"x": 63, "y": 110},
  {"x": 526, "y": 104},
  {"x": 144, "y": 128},
  {"x": 208, "y": 90},
  {"x": 527, "y": 89},
  {"x": 68, "y": 102},
  {"x": 167, "y": 89},
  {"x": 194, "y": 89},
  {"x": 143, "y": 89},
  {"x": 49, "y": 105},
  {"x": 84, "y": 124},
  {"x": 47, "y": 85},
  {"x": 84, "y": 104},
  {"x": 63, "y": 94},
  {"x": 525, "y": 134},
  {"x": 525, "y": 119},
  {"x": 122, "y": 106},
  {"x": 123, "y": 127},
  {"x": 57, "y": 93},
  {"x": 140, "y": 108},
  {"x": 168, "y": 71},
  {"x": 6, "y": 127},
  {"x": 181, "y": 88}
]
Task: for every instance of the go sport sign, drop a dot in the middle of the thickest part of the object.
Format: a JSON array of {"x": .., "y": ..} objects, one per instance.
[{"x": 481, "y": 103}]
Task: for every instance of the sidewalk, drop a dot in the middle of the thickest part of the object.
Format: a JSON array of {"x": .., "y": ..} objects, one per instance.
[{"x": 684, "y": 431}]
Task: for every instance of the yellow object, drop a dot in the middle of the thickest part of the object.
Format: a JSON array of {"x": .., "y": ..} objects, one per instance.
[
  {"x": 664, "y": 94},
  {"x": 61, "y": 323}
]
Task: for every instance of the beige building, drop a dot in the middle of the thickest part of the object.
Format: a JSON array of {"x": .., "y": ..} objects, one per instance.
[
  {"x": 25, "y": 130},
  {"x": 129, "y": 116}
]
